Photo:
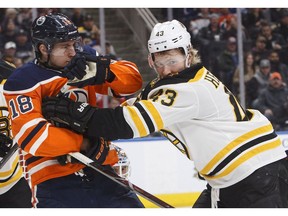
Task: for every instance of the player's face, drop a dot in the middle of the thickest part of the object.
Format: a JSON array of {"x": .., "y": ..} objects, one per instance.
[
  {"x": 62, "y": 53},
  {"x": 169, "y": 63}
]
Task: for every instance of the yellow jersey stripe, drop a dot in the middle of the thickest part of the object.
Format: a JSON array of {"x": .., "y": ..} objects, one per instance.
[
  {"x": 246, "y": 157},
  {"x": 198, "y": 76},
  {"x": 14, "y": 178},
  {"x": 155, "y": 114},
  {"x": 138, "y": 122},
  {"x": 10, "y": 171},
  {"x": 233, "y": 144}
]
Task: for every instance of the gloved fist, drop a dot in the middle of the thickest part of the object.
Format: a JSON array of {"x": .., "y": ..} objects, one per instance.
[
  {"x": 97, "y": 72},
  {"x": 68, "y": 112},
  {"x": 5, "y": 144},
  {"x": 76, "y": 67},
  {"x": 99, "y": 152}
]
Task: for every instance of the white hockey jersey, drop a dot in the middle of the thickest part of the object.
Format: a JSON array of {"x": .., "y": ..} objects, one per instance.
[
  {"x": 201, "y": 117},
  {"x": 11, "y": 172}
]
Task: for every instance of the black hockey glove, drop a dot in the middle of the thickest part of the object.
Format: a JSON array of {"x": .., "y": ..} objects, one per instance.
[
  {"x": 97, "y": 152},
  {"x": 97, "y": 73},
  {"x": 5, "y": 144},
  {"x": 65, "y": 111},
  {"x": 76, "y": 67}
]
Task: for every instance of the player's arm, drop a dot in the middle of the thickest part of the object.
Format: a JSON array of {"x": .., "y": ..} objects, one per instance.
[{"x": 139, "y": 120}]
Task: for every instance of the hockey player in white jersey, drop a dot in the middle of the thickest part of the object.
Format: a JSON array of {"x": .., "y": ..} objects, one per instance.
[{"x": 235, "y": 150}]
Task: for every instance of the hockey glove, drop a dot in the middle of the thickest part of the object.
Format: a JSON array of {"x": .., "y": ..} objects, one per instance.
[
  {"x": 76, "y": 67},
  {"x": 5, "y": 144},
  {"x": 97, "y": 72},
  {"x": 100, "y": 152},
  {"x": 65, "y": 111}
]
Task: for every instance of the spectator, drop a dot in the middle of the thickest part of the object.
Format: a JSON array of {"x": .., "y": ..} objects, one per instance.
[
  {"x": 9, "y": 52},
  {"x": 24, "y": 48},
  {"x": 24, "y": 18},
  {"x": 277, "y": 65},
  {"x": 282, "y": 26},
  {"x": 259, "y": 50},
  {"x": 273, "y": 40},
  {"x": 249, "y": 71},
  {"x": 273, "y": 102},
  {"x": 252, "y": 20},
  {"x": 212, "y": 32},
  {"x": 258, "y": 82},
  {"x": 228, "y": 62},
  {"x": 91, "y": 29},
  {"x": 9, "y": 29},
  {"x": 231, "y": 29},
  {"x": 77, "y": 16}
]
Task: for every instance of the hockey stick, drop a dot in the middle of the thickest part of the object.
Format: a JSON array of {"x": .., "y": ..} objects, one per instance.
[
  {"x": 8, "y": 155},
  {"x": 90, "y": 163}
]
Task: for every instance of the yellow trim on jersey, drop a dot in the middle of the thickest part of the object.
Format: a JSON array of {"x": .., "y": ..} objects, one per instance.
[
  {"x": 155, "y": 114},
  {"x": 10, "y": 171},
  {"x": 136, "y": 119},
  {"x": 233, "y": 144},
  {"x": 14, "y": 178},
  {"x": 199, "y": 75},
  {"x": 246, "y": 157}
]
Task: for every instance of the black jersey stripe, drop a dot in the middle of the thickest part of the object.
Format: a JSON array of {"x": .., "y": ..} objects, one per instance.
[
  {"x": 32, "y": 134},
  {"x": 146, "y": 117},
  {"x": 241, "y": 149}
]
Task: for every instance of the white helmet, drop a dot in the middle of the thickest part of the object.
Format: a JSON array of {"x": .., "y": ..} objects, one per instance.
[
  {"x": 169, "y": 35},
  {"x": 122, "y": 168}
]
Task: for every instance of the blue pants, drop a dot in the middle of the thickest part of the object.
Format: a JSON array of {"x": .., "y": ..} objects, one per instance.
[{"x": 93, "y": 191}]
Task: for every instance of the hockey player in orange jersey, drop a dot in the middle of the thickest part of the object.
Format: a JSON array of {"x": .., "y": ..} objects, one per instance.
[
  {"x": 59, "y": 57},
  {"x": 235, "y": 150}
]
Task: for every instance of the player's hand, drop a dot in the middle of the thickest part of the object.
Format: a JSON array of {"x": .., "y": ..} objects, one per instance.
[
  {"x": 76, "y": 67},
  {"x": 99, "y": 152},
  {"x": 65, "y": 111},
  {"x": 97, "y": 72}
]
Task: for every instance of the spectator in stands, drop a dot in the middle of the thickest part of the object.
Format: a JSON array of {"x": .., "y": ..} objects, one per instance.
[
  {"x": 24, "y": 48},
  {"x": 9, "y": 29},
  {"x": 92, "y": 29},
  {"x": 12, "y": 13},
  {"x": 258, "y": 82},
  {"x": 252, "y": 20},
  {"x": 228, "y": 62},
  {"x": 9, "y": 52},
  {"x": 259, "y": 50},
  {"x": 212, "y": 32},
  {"x": 273, "y": 102},
  {"x": 282, "y": 26},
  {"x": 231, "y": 27},
  {"x": 274, "y": 41},
  {"x": 249, "y": 71},
  {"x": 201, "y": 21},
  {"x": 277, "y": 65},
  {"x": 24, "y": 18},
  {"x": 77, "y": 16}
]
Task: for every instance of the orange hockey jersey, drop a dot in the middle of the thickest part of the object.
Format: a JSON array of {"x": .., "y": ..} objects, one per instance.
[{"x": 40, "y": 141}]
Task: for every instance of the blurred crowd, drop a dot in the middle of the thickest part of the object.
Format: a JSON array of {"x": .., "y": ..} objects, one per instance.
[{"x": 213, "y": 32}]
